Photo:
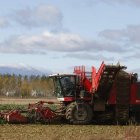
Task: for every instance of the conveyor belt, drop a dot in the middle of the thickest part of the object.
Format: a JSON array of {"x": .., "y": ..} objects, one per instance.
[{"x": 123, "y": 95}]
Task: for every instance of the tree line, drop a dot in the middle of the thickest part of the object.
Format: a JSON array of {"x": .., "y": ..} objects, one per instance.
[{"x": 25, "y": 86}]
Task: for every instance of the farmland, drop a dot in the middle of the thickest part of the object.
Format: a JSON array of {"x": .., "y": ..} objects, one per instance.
[
  {"x": 25, "y": 101},
  {"x": 61, "y": 131},
  {"x": 66, "y": 132}
]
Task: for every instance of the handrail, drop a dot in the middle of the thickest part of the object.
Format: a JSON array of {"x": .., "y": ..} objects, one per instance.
[{"x": 90, "y": 86}]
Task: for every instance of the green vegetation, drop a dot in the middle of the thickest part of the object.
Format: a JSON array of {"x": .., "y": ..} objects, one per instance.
[
  {"x": 12, "y": 107},
  {"x": 20, "y": 107}
]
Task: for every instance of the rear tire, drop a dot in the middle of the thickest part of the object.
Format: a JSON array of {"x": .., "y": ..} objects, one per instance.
[{"x": 79, "y": 113}]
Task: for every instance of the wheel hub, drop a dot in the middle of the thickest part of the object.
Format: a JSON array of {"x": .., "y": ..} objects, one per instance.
[{"x": 80, "y": 114}]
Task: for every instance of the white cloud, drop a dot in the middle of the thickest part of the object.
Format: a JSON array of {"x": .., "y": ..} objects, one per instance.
[
  {"x": 122, "y": 2},
  {"x": 42, "y": 15},
  {"x": 134, "y": 56},
  {"x": 130, "y": 34},
  {"x": 129, "y": 2},
  {"x": 90, "y": 56},
  {"x": 127, "y": 38},
  {"x": 59, "y": 42}
]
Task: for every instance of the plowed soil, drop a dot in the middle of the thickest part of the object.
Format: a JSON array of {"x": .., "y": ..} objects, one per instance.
[{"x": 68, "y": 132}]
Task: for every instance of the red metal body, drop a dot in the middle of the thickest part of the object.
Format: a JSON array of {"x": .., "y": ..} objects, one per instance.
[
  {"x": 135, "y": 94},
  {"x": 112, "y": 97},
  {"x": 92, "y": 83},
  {"x": 14, "y": 116},
  {"x": 89, "y": 83},
  {"x": 41, "y": 112},
  {"x": 45, "y": 113}
]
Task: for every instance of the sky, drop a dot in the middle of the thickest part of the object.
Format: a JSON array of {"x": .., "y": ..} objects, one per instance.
[{"x": 56, "y": 35}]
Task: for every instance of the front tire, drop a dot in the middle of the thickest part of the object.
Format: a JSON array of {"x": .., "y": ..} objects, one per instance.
[{"x": 79, "y": 113}]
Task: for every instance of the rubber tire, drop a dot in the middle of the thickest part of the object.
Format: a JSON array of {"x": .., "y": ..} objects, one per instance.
[{"x": 70, "y": 113}]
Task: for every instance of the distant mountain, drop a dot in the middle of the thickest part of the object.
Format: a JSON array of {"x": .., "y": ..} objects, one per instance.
[{"x": 22, "y": 70}]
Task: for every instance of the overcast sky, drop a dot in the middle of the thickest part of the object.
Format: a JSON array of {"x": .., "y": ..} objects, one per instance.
[{"x": 58, "y": 34}]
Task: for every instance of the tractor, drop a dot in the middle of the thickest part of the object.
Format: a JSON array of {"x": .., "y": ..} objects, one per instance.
[{"x": 108, "y": 95}]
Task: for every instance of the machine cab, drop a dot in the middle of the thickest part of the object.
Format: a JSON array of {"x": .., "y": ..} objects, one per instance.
[{"x": 64, "y": 85}]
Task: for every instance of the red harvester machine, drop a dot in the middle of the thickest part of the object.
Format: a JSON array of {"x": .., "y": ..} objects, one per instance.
[{"x": 107, "y": 95}]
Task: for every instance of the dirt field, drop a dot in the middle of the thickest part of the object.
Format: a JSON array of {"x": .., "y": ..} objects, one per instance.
[
  {"x": 64, "y": 132},
  {"x": 67, "y": 132},
  {"x": 23, "y": 101}
]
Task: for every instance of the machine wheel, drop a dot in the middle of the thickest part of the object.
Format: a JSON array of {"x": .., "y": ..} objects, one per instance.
[{"x": 79, "y": 113}]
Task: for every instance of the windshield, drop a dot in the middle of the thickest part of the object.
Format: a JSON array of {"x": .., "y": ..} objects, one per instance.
[
  {"x": 67, "y": 81},
  {"x": 64, "y": 86},
  {"x": 58, "y": 89},
  {"x": 68, "y": 85}
]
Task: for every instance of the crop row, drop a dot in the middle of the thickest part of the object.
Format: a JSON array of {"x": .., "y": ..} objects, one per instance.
[{"x": 12, "y": 107}]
